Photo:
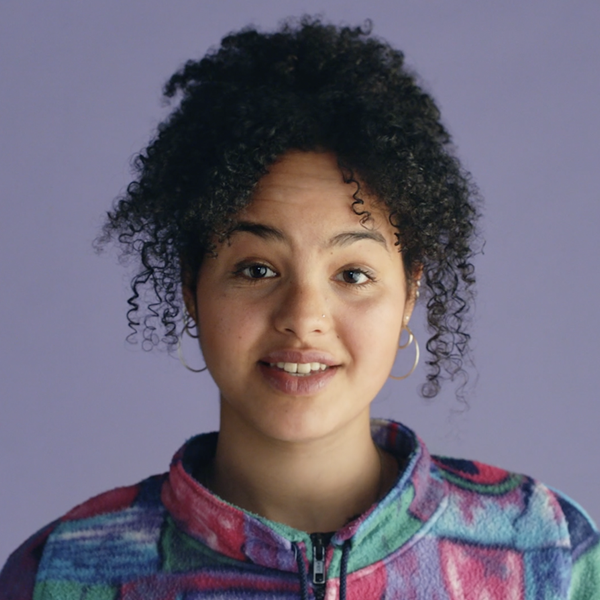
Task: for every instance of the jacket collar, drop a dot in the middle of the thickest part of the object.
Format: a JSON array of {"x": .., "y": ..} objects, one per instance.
[{"x": 403, "y": 515}]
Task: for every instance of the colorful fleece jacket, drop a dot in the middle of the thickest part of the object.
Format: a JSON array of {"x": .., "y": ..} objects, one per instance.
[{"x": 448, "y": 530}]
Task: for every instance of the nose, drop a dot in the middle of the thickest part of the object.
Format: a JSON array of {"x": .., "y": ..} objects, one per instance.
[{"x": 302, "y": 310}]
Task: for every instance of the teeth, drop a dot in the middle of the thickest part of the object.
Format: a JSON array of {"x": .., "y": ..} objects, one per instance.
[{"x": 301, "y": 368}]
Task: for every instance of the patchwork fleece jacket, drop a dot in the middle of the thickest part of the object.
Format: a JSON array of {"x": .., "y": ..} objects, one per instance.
[{"x": 448, "y": 530}]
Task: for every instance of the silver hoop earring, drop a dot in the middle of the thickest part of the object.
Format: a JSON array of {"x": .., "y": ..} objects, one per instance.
[
  {"x": 186, "y": 321},
  {"x": 411, "y": 339}
]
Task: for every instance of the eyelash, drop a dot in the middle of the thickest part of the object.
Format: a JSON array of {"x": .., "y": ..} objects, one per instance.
[
  {"x": 239, "y": 272},
  {"x": 370, "y": 277}
]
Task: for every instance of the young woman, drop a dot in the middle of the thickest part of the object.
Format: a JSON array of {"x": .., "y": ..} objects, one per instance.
[{"x": 297, "y": 203}]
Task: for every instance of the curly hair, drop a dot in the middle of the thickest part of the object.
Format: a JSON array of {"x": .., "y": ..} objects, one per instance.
[{"x": 307, "y": 86}]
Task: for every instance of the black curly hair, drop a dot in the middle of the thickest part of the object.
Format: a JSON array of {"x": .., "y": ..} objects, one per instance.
[{"x": 308, "y": 86}]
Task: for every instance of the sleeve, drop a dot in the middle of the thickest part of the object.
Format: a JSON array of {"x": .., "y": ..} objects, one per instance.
[
  {"x": 17, "y": 578},
  {"x": 585, "y": 551},
  {"x": 585, "y": 581}
]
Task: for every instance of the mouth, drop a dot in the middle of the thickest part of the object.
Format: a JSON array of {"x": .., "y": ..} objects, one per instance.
[
  {"x": 298, "y": 372},
  {"x": 298, "y": 378},
  {"x": 299, "y": 369}
]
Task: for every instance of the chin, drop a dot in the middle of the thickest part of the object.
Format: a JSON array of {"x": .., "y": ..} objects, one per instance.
[{"x": 297, "y": 427}]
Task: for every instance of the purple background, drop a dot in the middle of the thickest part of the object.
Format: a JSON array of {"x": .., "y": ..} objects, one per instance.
[{"x": 80, "y": 83}]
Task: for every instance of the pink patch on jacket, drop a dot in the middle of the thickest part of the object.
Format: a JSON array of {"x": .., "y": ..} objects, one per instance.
[{"x": 477, "y": 573}]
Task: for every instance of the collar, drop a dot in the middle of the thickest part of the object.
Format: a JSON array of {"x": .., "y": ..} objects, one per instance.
[{"x": 396, "y": 521}]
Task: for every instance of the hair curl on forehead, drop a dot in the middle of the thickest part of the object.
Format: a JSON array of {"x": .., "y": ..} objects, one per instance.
[{"x": 307, "y": 86}]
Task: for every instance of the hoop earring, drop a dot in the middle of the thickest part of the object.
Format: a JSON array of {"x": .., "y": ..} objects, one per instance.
[
  {"x": 186, "y": 321},
  {"x": 411, "y": 339}
]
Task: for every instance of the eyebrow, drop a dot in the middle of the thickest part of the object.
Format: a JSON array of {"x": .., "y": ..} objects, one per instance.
[
  {"x": 266, "y": 232},
  {"x": 349, "y": 237}
]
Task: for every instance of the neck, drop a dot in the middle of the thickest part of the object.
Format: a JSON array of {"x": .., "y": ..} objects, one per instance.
[{"x": 313, "y": 486}]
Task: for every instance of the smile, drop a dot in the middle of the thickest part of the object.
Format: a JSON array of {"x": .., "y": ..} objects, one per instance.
[
  {"x": 298, "y": 378},
  {"x": 299, "y": 368}
]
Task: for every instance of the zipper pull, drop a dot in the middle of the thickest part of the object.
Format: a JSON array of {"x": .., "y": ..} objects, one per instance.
[{"x": 318, "y": 566}]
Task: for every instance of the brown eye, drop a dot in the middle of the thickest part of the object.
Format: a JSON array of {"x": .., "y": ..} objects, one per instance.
[
  {"x": 355, "y": 276},
  {"x": 257, "y": 272}
]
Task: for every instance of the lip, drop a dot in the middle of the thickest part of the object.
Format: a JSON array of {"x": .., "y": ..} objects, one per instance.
[
  {"x": 300, "y": 356},
  {"x": 297, "y": 385}
]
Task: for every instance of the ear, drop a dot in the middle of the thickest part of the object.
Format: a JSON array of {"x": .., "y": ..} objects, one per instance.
[
  {"x": 188, "y": 291},
  {"x": 413, "y": 285}
]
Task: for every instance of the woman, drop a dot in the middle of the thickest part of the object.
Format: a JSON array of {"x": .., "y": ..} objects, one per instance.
[{"x": 289, "y": 214}]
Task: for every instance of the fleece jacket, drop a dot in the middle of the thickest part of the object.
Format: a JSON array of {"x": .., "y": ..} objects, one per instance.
[{"x": 448, "y": 530}]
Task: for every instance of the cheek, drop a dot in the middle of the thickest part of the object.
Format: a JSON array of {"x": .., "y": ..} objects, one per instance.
[
  {"x": 227, "y": 329},
  {"x": 372, "y": 331}
]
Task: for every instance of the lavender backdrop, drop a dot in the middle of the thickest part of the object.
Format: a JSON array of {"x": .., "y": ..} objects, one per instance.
[{"x": 82, "y": 411}]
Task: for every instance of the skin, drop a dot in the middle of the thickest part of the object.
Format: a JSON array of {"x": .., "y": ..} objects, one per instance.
[{"x": 302, "y": 280}]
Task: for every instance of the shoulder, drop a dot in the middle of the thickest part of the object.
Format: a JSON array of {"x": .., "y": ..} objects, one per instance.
[
  {"x": 104, "y": 515},
  {"x": 17, "y": 578},
  {"x": 493, "y": 493},
  {"x": 493, "y": 507},
  {"x": 585, "y": 549}
]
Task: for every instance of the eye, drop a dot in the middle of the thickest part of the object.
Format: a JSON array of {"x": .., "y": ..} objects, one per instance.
[
  {"x": 355, "y": 276},
  {"x": 256, "y": 271}
]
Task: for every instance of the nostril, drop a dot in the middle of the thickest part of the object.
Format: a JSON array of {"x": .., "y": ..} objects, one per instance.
[{"x": 302, "y": 313}]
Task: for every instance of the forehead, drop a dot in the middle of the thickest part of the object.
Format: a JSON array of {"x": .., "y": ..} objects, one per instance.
[
  {"x": 306, "y": 190},
  {"x": 303, "y": 172}
]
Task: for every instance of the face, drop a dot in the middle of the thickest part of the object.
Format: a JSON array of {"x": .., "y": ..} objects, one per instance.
[{"x": 300, "y": 313}]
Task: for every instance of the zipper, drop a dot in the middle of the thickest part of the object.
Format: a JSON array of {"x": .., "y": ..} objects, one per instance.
[{"x": 318, "y": 566}]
